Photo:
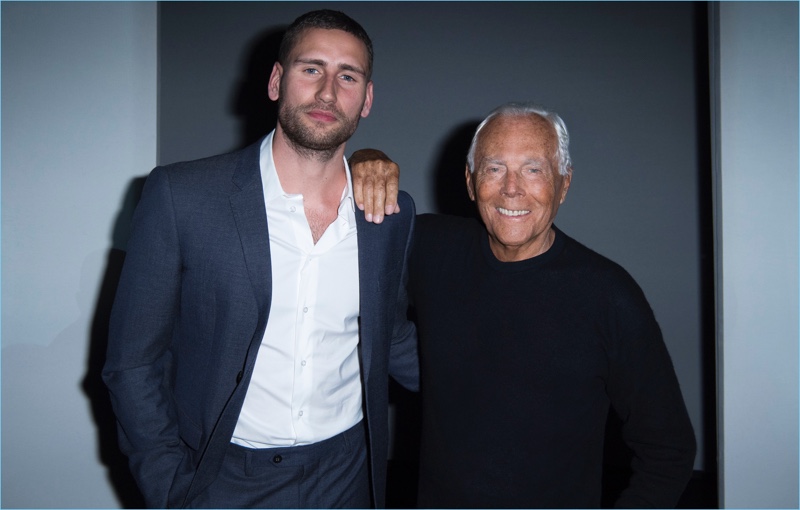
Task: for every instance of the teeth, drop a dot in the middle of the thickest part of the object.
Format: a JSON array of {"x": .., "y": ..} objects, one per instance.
[{"x": 509, "y": 212}]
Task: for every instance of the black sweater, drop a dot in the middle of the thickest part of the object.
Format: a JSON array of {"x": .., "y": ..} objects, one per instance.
[{"x": 520, "y": 362}]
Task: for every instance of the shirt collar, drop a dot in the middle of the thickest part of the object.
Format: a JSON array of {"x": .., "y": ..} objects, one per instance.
[{"x": 273, "y": 189}]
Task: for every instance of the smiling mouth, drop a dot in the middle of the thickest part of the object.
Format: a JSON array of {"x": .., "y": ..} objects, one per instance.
[{"x": 509, "y": 212}]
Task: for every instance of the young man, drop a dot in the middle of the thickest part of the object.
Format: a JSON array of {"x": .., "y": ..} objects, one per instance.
[{"x": 258, "y": 317}]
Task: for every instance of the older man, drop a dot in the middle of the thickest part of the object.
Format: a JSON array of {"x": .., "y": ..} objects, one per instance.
[{"x": 528, "y": 339}]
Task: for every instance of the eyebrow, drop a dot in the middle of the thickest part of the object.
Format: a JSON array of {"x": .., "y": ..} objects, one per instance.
[
  {"x": 322, "y": 63},
  {"x": 491, "y": 161},
  {"x": 529, "y": 161}
]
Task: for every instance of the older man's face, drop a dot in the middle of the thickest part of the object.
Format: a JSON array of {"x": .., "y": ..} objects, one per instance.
[{"x": 517, "y": 186}]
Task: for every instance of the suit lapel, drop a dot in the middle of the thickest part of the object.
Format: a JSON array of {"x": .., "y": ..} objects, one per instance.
[{"x": 250, "y": 215}]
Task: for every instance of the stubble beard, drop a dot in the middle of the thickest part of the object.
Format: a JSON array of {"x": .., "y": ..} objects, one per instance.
[{"x": 308, "y": 143}]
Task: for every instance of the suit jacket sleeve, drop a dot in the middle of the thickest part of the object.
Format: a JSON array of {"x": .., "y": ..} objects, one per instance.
[
  {"x": 137, "y": 370},
  {"x": 403, "y": 357}
]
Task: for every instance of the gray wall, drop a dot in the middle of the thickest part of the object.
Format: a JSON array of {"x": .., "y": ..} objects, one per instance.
[
  {"x": 79, "y": 122},
  {"x": 626, "y": 77},
  {"x": 79, "y": 133},
  {"x": 757, "y": 149}
]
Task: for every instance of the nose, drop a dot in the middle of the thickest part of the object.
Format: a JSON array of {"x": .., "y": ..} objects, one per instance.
[
  {"x": 327, "y": 89},
  {"x": 511, "y": 187}
]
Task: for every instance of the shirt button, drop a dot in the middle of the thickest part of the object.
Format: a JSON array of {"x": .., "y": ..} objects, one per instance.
[
  {"x": 303, "y": 363},
  {"x": 277, "y": 459},
  {"x": 292, "y": 208},
  {"x": 305, "y": 309},
  {"x": 300, "y": 413}
]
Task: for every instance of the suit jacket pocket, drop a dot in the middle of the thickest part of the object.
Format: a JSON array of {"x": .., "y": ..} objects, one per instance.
[
  {"x": 190, "y": 432},
  {"x": 191, "y": 436}
]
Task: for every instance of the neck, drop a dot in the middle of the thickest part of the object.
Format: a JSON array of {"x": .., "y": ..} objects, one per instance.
[
  {"x": 306, "y": 171},
  {"x": 518, "y": 253}
]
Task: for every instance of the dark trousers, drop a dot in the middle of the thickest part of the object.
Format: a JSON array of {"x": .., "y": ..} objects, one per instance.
[{"x": 333, "y": 473}]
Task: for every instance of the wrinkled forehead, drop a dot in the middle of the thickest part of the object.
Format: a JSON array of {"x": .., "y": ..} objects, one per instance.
[{"x": 529, "y": 137}]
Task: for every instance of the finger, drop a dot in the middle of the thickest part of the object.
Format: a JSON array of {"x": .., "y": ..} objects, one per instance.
[
  {"x": 379, "y": 201},
  {"x": 358, "y": 188},
  {"x": 367, "y": 194},
  {"x": 392, "y": 188}
]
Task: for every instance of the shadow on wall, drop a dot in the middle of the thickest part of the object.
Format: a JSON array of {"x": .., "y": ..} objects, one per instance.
[
  {"x": 250, "y": 102},
  {"x": 94, "y": 388},
  {"x": 450, "y": 189}
]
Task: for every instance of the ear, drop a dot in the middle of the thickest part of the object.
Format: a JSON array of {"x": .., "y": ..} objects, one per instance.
[
  {"x": 565, "y": 182},
  {"x": 470, "y": 188},
  {"x": 274, "y": 84},
  {"x": 367, "y": 101}
]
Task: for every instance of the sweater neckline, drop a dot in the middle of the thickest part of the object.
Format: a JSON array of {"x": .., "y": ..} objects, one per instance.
[{"x": 521, "y": 265}]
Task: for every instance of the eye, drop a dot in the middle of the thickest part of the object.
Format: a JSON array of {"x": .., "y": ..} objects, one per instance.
[
  {"x": 531, "y": 172},
  {"x": 348, "y": 78},
  {"x": 311, "y": 70},
  {"x": 493, "y": 171}
]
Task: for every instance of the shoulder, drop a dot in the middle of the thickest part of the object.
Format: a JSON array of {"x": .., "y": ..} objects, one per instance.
[
  {"x": 445, "y": 224},
  {"x": 213, "y": 169},
  {"x": 408, "y": 208},
  {"x": 404, "y": 218},
  {"x": 444, "y": 233},
  {"x": 398, "y": 225},
  {"x": 581, "y": 256},
  {"x": 594, "y": 266},
  {"x": 605, "y": 290},
  {"x": 447, "y": 228}
]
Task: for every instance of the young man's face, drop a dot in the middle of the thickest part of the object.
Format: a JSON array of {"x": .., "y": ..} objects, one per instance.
[{"x": 323, "y": 90}]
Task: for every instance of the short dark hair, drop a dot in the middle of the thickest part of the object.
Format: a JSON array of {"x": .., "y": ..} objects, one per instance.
[{"x": 329, "y": 20}]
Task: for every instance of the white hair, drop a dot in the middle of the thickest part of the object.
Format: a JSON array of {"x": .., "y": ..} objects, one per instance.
[{"x": 522, "y": 110}]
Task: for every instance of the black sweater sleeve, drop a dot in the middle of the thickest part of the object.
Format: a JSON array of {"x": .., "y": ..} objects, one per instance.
[{"x": 645, "y": 393}]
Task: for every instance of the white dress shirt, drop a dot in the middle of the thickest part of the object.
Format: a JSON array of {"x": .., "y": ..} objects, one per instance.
[{"x": 306, "y": 385}]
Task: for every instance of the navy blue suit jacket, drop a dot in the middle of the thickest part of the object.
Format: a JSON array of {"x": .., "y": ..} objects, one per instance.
[{"x": 191, "y": 310}]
